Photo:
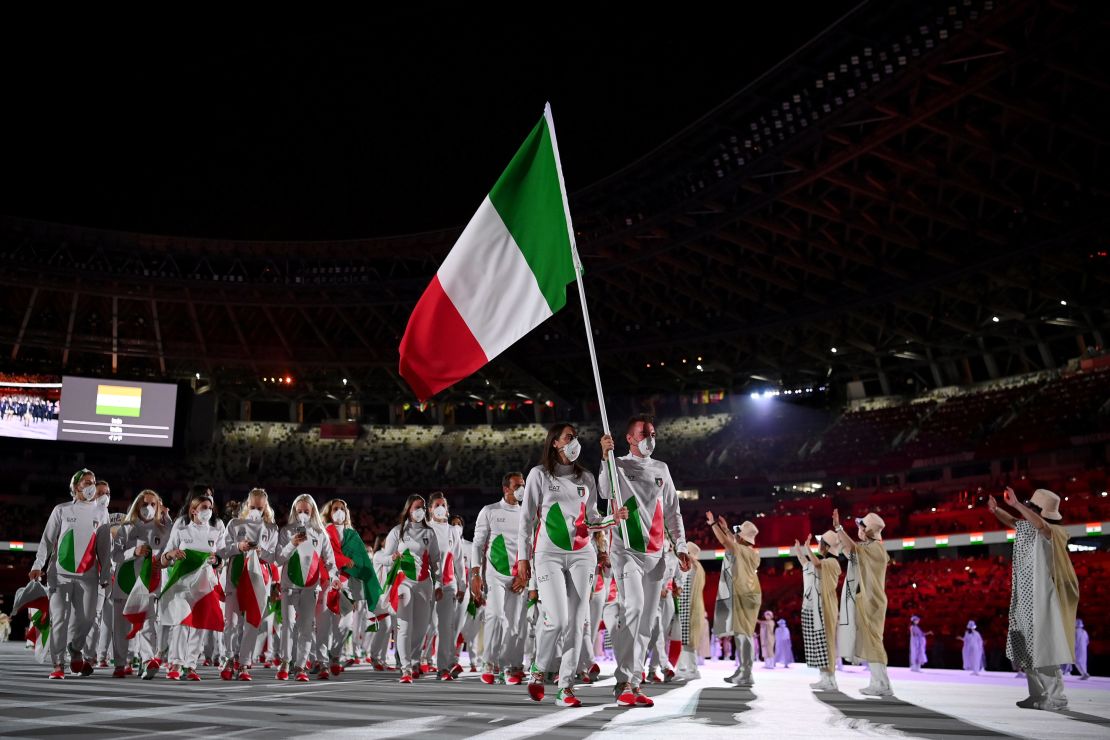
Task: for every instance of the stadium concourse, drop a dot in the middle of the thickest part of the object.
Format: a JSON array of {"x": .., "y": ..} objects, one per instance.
[{"x": 363, "y": 703}]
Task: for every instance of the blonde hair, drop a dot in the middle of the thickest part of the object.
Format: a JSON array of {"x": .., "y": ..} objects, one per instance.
[
  {"x": 267, "y": 513},
  {"x": 133, "y": 517},
  {"x": 325, "y": 513},
  {"x": 314, "y": 520}
]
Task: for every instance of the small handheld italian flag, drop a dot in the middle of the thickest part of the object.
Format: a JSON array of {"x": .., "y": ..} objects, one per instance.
[
  {"x": 252, "y": 586},
  {"x": 36, "y": 601},
  {"x": 403, "y": 567},
  {"x": 191, "y": 594}
]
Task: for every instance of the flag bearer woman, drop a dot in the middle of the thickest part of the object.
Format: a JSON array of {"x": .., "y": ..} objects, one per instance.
[
  {"x": 136, "y": 550},
  {"x": 557, "y": 514}
]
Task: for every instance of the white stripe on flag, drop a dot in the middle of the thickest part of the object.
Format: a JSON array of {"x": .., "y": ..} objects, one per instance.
[
  {"x": 491, "y": 284},
  {"x": 107, "y": 399}
]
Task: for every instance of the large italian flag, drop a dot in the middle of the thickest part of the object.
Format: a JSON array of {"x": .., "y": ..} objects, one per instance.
[
  {"x": 505, "y": 275},
  {"x": 191, "y": 596}
]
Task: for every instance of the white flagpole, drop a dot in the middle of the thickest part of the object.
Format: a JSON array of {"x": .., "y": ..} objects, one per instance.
[{"x": 578, "y": 270}]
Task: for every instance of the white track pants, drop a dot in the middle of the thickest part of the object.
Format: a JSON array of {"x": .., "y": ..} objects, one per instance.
[
  {"x": 72, "y": 613},
  {"x": 505, "y": 624},
  {"x": 414, "y": 615},
  {"x": 565, "y": 582},
  {"x": 298, "y": 617},
  {"x": 639, "y": 582}
]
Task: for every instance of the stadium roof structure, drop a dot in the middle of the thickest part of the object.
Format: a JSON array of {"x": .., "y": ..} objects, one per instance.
[{"x": 918, "y": 195}]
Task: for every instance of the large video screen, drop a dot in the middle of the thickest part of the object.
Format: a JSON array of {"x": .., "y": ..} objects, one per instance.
[
  {"x": 29, "y": 405},
  {"x": 90, "y": 410},
  {"x": 117, "y": 412}
]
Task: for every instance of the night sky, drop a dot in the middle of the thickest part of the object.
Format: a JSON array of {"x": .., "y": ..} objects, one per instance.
[{"x": 344, "y": 128}]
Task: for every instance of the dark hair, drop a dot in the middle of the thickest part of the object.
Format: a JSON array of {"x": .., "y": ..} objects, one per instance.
[
  {"x": 103, "y": 483},
  {"x": 636, "y": 419},
  {"x": 404, "y": 520},
  {"x": 203, "y": 495},
  {"x": 436, "y": 496},
  {"x": 549, "y": 458},
  {"x": 199, "y": 489},
  {"x": 379, "y": 542},
  {"x": 508, "y": 478},
  {"x": 457, "y": 517}
]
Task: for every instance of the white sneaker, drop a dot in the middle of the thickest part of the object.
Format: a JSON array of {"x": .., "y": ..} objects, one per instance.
[{"x": 872, "y": 691}]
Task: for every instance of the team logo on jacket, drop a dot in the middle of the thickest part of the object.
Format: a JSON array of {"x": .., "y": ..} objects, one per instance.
[
  {"x": 95, "y": 523},
  {"x": 157, "y": 540},
  {"x": 315, "y": 542},
  {"x": 581, "y": 492},
  {"x": 211, "y": 543},
  {"x": 550, "y": 488},
  {"x": 659, "y": 482}
]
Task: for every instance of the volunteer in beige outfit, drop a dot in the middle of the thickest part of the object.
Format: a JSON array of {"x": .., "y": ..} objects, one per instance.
[
  {"x": 746, "y": 593},
  {"x": 867, "y": 562}
]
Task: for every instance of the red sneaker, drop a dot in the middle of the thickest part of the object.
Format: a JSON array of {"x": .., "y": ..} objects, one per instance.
[
  {"x": 535, "y": 687},
  {"x": 226, "y": 674},
  {"x": 75, "y": 664},
  {"x": 192, "y": 675},
  {"x": 655, "y": 677},
  {"x": 566, "y": 698},
  {"x": 626, "y": 698},
  {"x": 378, "y": 665},
  {"x": 324, "y": 676},
  {"x": 668, "y": 675},
  {"x": 303, "y": 677},
  {"x": 514, "y": 678},
  {"x": 58, "y": 675},
  {"x": 102, "y": 664},
  {"x": 173, "y": 674},
  {"x": 119, "y": 673},
  {"x": 282, "y": 675},
  {"x": 473, "y": 669},
  {"x": 207, "y": 663},
  {"x": 595, "y": 671},
  {"x": 244, "y": 675},
  {"x": 336, "y": 669},
  {"x": 456, "y": 670},
  {"x": 641, "y": 699},
  {"x": 446, "y": 676},
  {"x": 406, "y": 677},
  {"x": 128, "y": 670},
  {"x": 585, "y": 678},
  {"x": 425, "y": 668},
  {"x": 152, "y": 667},
  {"x": 486, "y": 678}
]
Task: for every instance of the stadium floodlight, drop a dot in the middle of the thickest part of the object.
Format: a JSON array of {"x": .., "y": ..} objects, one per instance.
[
  {"x": 995, "y": 319},
  {"x": 1063, "y": 303},
  {"x": 197, "y": 375},
  {"x": 833, "y": 350}
]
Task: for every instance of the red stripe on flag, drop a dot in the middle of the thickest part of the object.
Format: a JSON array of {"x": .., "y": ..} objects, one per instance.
[
  {"x": 425, "y": 567},
  {"x": 438, "y": 348},
  {"x": 89, "y": 556},
  {"x": 581, "y": 530},
  {"x": 207, "y": 614},
  {"x": 655, "y": 535},
  {"x": 448, "y": 575},
  {"x": 248, "y": 599},
  {"x": 394, "y": 596},
  {"x": 137, "y": 619}
]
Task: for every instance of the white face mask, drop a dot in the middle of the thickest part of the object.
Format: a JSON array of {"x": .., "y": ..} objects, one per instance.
[
  {"x": 88, "y": 492},
  {"x": 339, "y": 516},
  {"x": 417, "y": 515},
  {"x": 254, "y": 515},
  {"x": 147, "y": 512},
  {"x": 646, "y": 446},
  {"x": 203, "y": 515},
  {"x": 103, "y": 500},
  {"x": 517, "y": 494},
  {"x": 303, "y": 518},
  {"x": 573, "y": 449},
  {"x": 457, "y": 529},
  {"x": 440, "y": 512}
]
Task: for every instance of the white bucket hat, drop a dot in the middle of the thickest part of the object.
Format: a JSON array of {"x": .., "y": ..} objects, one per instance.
[
  {"x": 832, "y": 539},
  {"x": 748, "y": 532},
  {"x": 1048, "y": 502}
]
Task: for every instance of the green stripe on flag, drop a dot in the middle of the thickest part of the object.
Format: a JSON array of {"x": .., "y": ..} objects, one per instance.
[
  {"x": 556, "y": 527},
  {"x": 193, "y": 560},
  {"x": 499, "y": 556},
  {"x": 634, "y": 526},
  {"x": 67, "y": 558},
  {"x": 529, "y": 200},
  {"x": 117, "y": 411}
]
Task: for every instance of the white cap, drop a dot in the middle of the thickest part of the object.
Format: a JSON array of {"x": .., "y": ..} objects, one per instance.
[{"x": 748, "y": 532}]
